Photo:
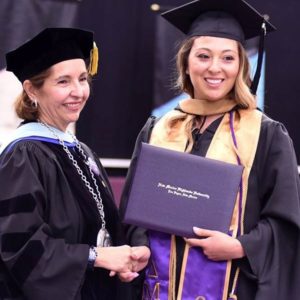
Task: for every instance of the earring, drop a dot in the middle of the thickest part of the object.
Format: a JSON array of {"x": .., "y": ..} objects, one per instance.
[{"x": 34, "y": 103}]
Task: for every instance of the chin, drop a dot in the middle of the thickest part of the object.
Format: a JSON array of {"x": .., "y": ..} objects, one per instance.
[
  {"x": 215, "y": 99},
  {"x": 74, "y": 117}
]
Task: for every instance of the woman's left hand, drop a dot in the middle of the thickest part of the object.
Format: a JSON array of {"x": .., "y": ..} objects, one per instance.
[
  {"x": 216, "y": 245},
  {"x": 139, "y": 258},
  {"x": 125, "y": 276}
]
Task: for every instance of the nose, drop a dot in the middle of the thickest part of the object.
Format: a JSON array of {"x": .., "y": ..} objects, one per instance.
[
  {"x": 214, "y": 67},
  {"x": 77, "y": 89}
]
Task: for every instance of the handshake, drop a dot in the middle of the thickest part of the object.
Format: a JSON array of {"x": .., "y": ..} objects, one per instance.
[{"x": 124, "y": 261}]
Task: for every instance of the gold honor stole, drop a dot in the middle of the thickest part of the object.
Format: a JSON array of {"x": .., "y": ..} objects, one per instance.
[{"x": 171, "y": 132}]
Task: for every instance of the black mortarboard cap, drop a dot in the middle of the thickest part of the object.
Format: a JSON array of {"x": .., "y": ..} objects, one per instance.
[
  {"x": 232, "y": 19},
  {"x": 50, "y": 46}
]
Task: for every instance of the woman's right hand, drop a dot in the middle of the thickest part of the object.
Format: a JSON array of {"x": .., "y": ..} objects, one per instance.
[
  {"x": 140, "y": 257},
  {"x": 116, "y": 259},
  {"x": 217, "y": 245}
]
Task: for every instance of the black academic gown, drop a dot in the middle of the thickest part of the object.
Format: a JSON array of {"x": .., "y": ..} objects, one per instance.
[
  {"x": 48, "y": 219},
  {"x": 271, "y": 268}
]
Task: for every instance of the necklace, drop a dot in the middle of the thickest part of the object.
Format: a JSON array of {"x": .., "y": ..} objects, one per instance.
[{"x": 103, "y": 237}]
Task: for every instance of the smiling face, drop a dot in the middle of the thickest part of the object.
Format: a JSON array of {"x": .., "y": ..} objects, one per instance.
[
  {"x": 213, "y": 65},
  {"x": 63, "y": 94}
]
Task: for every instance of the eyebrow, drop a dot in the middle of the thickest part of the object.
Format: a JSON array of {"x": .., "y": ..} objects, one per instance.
[
  {"x": 210, "y": 50},
  {"x": 68, "y": 76}
]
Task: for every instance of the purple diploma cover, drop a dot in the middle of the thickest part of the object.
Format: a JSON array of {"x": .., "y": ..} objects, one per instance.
[{"x": 173, "y": 191}]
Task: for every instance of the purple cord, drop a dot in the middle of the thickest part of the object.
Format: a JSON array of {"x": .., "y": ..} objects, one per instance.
[{"x": 239, "y": 163}]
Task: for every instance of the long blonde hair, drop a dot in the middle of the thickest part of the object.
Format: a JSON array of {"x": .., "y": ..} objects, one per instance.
[{"x": 241, "y": 91}]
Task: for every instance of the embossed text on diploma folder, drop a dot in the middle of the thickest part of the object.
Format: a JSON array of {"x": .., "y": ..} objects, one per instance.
[{"x": 173, "y": 191}]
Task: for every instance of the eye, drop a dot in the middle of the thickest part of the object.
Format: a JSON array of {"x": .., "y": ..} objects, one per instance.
[
  {"x": 83, "y": 78},
  {"x": 229, "y": 58},
  {"x": 203, "y": 56},
  {"x": 62, "y": 81}
]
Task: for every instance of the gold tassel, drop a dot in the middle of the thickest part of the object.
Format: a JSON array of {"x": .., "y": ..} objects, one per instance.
[
  {"x": 94, "y": 57},
  {"x": 172, "y": 269}
]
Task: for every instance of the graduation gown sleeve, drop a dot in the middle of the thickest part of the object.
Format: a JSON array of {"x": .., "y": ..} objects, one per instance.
[
  {"x": 272, "y": 219},
  {"x": 42, "y": 263}
]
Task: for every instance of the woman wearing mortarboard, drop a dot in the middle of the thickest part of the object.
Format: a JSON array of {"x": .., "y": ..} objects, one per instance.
[
  {"x": 61, "y": 236},
  {"x": 259, "y": 258}
]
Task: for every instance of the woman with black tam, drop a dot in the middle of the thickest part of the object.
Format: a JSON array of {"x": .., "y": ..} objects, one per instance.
[{"x": 61, "y": 237}]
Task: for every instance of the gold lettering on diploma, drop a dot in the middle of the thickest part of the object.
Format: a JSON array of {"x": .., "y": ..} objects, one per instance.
[{"x": 181, "y": 192}]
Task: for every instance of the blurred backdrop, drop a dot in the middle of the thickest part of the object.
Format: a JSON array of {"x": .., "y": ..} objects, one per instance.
[{"x": 136, "y": 64}]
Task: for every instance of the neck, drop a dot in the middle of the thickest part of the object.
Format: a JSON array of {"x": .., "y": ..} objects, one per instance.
[
  {"x": 207, "y": 108},
  {"x": 56, "y": 126}
]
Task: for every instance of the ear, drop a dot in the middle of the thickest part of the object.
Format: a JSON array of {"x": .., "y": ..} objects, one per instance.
[{"x": 29, "y": 89}]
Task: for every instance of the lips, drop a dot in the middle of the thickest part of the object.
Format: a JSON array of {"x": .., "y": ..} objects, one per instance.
[
  {"x": 213, "y": 81},
  {"x": 73, "y": 105}
]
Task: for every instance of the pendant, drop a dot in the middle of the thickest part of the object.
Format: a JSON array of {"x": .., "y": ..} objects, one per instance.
[
  {"x": 92, "y": 164},
  {"x": 103, "y": 238}
]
